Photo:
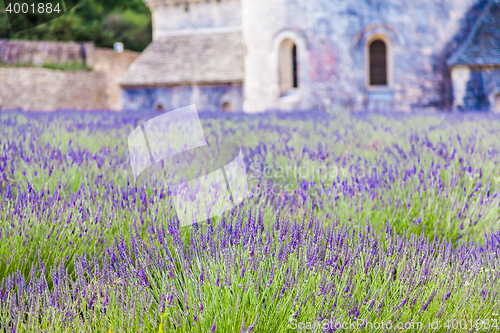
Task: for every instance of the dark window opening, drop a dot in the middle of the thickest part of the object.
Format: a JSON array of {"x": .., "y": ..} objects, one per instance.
[
  {"x": 378, "y": 63},
  {"x": 288, "y": 67},
  {"x": 295, "y": 75},
  {"x": 227, "y": 106}
]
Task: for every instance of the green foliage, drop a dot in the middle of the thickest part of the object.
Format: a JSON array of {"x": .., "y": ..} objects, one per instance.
[
  {"x": 16, "y": 65},
  {"x": 103, "y": 22},
  {"x": 71, "y": 66}
]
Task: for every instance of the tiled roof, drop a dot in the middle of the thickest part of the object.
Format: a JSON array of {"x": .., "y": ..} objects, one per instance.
[
  {"x": 186, "y": 59},
  {"x": 482, "y": 46}
]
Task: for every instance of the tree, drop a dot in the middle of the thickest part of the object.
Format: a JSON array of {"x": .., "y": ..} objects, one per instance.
[{"x": 103, "y": 22}]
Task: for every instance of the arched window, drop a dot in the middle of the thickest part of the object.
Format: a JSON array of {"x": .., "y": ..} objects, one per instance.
[
  {"x": 227, "y": 106},
  {"x": 288, "y": 66},
  {"x": 378, "y": 63}
]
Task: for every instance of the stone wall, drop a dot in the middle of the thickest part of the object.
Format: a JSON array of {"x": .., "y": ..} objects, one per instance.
[
  {"x": 332, "y": 39},
  {"x": 37, "y": 53},
  {"x": 114, "y": 65},
  {"x": 206, "y": 98},
  {"x": 476, "y": 88},
  {"x": 492, "y": 87},
  {"x": 42, "y": 89}
]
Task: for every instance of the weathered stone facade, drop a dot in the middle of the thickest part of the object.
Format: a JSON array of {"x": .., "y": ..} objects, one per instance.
[
  {"x": 207, "y": 98},
  {"x": 197, "y": 57},
  {"x": 41, "y": 89},
  {"x": 326, "y": 46}
]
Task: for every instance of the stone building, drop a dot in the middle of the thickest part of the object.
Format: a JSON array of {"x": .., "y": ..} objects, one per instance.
[
  {"x": 258, "y": 55},
  {"x": 475, "y": 66}
]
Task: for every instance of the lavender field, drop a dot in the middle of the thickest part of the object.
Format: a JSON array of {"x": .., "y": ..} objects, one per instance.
[{"x": 355, "y": 223}]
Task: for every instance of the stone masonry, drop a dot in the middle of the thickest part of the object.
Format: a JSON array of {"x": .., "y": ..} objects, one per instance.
[{"x": 41, "y": 89}]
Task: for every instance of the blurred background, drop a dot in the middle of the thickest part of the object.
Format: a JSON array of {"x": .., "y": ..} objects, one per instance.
[
  {"x": 255, "y": 56},
  {"x": 102, "y": 22}
]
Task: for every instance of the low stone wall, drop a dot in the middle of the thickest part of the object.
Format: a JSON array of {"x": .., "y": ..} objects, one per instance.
[
  {"x": 42, "y": 89},
  {"x": 207, "y": 98}
]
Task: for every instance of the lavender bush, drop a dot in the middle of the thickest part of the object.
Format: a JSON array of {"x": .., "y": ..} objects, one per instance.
[{"x": 372, "y": 221}]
